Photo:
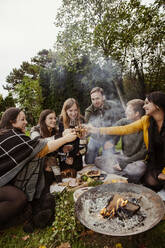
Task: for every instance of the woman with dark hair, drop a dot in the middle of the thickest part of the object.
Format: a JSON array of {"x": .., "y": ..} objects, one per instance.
[
  {"x": 70, "y": 155},
  {"x": 46, "y": 129},
  {"x": 22, "y": 177},
  {"x": 153, "y": 126}
]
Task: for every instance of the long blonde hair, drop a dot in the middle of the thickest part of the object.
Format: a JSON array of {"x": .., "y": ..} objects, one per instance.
[{"x": 64, "y": 116}]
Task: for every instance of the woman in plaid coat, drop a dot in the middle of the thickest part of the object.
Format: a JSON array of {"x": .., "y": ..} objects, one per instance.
[{"x": 21, "y": 170}]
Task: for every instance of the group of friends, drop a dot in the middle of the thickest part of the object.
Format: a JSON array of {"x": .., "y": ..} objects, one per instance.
[{"x": 29, "y": 165}]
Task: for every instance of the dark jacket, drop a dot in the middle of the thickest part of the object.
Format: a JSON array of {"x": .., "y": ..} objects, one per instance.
[
  {"x": 75, "y": 152},
  {"x": 105, "y": 116}
]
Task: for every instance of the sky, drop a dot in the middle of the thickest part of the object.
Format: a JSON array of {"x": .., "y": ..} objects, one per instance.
[{"x": 26, "y": 27}]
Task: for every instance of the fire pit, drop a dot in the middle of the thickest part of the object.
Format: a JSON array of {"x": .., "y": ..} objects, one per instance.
[{"x": 90, "y": 204}]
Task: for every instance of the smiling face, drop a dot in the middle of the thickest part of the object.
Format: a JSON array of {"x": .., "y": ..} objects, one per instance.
[
  {"x": 20, "y": 122},
  {"x": 50, "y": 121},
  {"x": 72, "y": 112},
  {"x": 150, "y": 108},
  {"x": 131, "y": 114},
  {"x": 97, "y": 99}
]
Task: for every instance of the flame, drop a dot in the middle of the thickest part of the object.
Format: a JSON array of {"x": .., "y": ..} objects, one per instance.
[{"x": 111, "y": 213}]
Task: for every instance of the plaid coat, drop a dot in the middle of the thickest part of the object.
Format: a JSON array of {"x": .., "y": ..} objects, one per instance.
[{"x": 18, "y": 163}]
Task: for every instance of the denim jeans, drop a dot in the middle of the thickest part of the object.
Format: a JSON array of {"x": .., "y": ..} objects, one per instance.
[{"x": 92, "y": 150}]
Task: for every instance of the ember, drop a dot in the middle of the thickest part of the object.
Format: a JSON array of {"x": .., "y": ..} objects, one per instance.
[{"x": 117, "y": 206}]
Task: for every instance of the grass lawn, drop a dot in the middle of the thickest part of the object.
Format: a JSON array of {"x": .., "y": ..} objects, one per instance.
[{"x": 67, "y": 230}]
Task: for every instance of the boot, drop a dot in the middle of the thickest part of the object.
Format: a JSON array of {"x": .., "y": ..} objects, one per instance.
[
  {"x": 28, "y": 226},
  {"x": 43, "y": 211},
  {"x": 42, "y": 218}
]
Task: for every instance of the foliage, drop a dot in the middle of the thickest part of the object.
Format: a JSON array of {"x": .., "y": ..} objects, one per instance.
[
  {"x": 6, "y": 102},
  {"x": 59, "y": 82},
  {"x": 123, "y": 30},
  {"x": 15, "y": 237},
  {"x": 23, "y": 83},
  {"x": 134, "y": 37},
  {"x": 77, "y": 19},
  {"x": 29, "y": 97},
  {"x": 17, "y": 75},
  {"x": 45, "y": 83},
  {"x": 80, "y": 237},
  {"x": 66, "y": 227}
]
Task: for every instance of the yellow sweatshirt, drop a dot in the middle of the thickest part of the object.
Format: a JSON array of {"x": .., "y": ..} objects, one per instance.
[{"x": 142, "y": 124}]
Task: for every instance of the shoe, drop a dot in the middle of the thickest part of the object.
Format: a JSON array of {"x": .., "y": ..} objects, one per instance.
[
  {"x": 47, "y": 202},
  {"x": 41, "y": 219}
]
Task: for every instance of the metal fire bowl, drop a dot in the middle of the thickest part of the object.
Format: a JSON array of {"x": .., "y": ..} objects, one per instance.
[{"x": 89, "y": 204}]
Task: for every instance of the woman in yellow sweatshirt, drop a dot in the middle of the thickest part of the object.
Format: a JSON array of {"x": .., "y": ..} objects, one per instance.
[{"x": 153, "y": 126}]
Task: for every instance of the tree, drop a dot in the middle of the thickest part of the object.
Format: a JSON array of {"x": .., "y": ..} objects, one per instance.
[
  {"x": 125, "y": 31},
  {"x": 134, "y": 37},
  {"x": 17, "y": 75},
  {"x": 6, "y": 103},
  {"x": 59, "y": 82},
  {"x": 23, "y": 83},
  {"x": 29, "y": 97},
  {"x": 31, "y": 70}
]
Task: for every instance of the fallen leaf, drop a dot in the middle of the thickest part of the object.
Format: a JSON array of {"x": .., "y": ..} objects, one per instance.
[
  {"x": 64, "y": 245},
  {"x": 85, "y": 233},
  {"x": 25, "y": 237},
  {"x": 118, "y": 245}
]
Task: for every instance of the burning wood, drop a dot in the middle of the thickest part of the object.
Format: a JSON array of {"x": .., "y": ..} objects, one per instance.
[{"x": 117, "y": 206}]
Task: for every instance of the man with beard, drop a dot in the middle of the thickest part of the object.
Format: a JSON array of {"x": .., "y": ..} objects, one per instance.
[{"x": 100, "y": 113}]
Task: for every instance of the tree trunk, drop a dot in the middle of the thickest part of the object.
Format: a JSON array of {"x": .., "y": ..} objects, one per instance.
[{"x": 120, "y": 92}]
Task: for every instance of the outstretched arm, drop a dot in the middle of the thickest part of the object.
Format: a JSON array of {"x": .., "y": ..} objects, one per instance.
[
  {"x": 53, "y": 145},
  {"x": 118, "y": 130}
]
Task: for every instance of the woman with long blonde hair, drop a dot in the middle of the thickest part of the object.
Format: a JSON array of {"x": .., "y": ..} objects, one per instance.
[{"x": 70, "y": 114}]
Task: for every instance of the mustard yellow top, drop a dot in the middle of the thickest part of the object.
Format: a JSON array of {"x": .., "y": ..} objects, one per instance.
[{"x": 142, "y": 124}]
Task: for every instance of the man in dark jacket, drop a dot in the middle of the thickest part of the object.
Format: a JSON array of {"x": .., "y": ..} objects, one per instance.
[{"x": 100, "y": 113}]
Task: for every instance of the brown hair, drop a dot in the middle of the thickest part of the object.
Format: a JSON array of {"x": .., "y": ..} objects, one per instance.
[
  {"x": 64, "y": 117},
  {"x": 97, "y": 89},
  {"x": 9, "y": 117},
  {"x": 137, "y": 105},
  {"x": 158, "y": 98},
  {"x": 43, "y": 127}
]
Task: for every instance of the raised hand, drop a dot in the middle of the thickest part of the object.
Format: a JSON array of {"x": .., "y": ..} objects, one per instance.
[{"x": 91, "y": 129}]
